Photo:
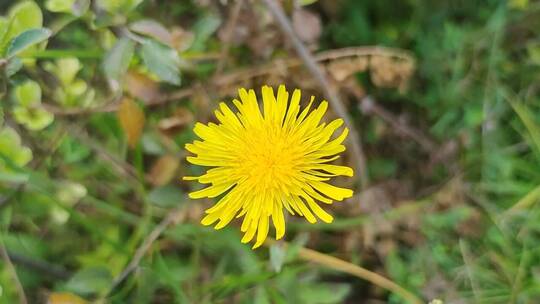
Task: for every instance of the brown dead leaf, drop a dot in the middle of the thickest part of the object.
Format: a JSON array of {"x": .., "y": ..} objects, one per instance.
[
  {"x": 343, "y": 69},
  {"x": 64, "y": 298},
  {"x": 177, "y": 122},
  {"x": 307, "y": 25},
  {"x": 141, "y": 86},
  {"x": 387, "y": 72},
  {"x": 163, "y": 170},
  {"x": 181, "y": 39},
  {"x": 131, "y": 119}
]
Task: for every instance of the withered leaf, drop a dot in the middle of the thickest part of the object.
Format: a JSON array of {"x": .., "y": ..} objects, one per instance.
[
  {"x": 141, "y": 86},
  {"x": 131, "y": 119},
  {"x": 163, "y": 170},
  {"x": 64, "y": 298},
  {"x": 175, "y": 123}
]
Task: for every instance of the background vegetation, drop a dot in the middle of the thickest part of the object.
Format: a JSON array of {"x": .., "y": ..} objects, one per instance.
[{"x": 98, "y": 98}]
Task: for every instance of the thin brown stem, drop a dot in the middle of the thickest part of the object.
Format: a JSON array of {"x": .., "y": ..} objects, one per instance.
[
  {"x": 369, "y": 106},
  {"x": 330, "y": 92},
  {"x": 175, "y": 216},
  {"x": 334, "y": 263},
  {"x": 239, "y": 76},
  {"x": 229, "y": 28},
  {"x": 119, "y": 165}
]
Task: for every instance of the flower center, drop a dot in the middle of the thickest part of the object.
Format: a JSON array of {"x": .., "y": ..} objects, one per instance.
[{"x": 268, "y": 160}]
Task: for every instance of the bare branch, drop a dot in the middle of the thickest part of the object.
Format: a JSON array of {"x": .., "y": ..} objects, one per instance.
[
  {"x": 334, "y": 263},
  {"x": 229, "y": 28},
  {"x": 174, "y": 217},
  {"x": 369, "y": 106},
  {"x": 329, "y": 91},
  {"x": 240, "y": 75}
]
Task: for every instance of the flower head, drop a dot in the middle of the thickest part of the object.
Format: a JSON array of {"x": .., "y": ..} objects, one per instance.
[{"x": 264, "y": 162}]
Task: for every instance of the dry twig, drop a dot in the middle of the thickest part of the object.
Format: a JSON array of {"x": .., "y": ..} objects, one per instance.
[
  {"x": 369, "y": 106},
  {"x": 355, "y": 270},
  {"x": 239, "y": 76},
  {"x": 229, "y": 28},
  {"x": 329, "y": 91},
  {"x": 174, "y": 217}
]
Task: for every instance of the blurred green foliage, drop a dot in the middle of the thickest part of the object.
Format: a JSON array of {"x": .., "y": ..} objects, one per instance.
[{"x": 77, "y": 202}]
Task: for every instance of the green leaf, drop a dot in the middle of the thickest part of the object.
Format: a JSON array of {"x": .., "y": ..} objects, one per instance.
[
  {"x": 70, "y": 192},
  {"x": 307, "y": 2},
  {"x": 34, "y": 119},
  {"x": 518, "y": 4},
  {"x": 4, "y": 27},
  {"x": 67, "y": 69},
  {"x": 13, "y": 66},
  {"x": 12, "y": 177},
  {"x": 29, "y": 111},
  {"x": 90, "y": 281},
  {"x": 153, "y": 29},
  {"x": 25, "y": 15},
  {"x": 28, "y": 94},
  {"x": 116, "y": 6},
  {"x": 117, "y": 60},
  {"x": 324, "y": 293},
  {"x": 161, "y": 60},
  {"x": 527, "y": 118},
  {"x": 27, "y": 39},
  {"x": 277, "y": 257},
  {"x": 80, "y": 7},
  {"x": 59, "y": 6},
  {"x": 203, "y": 30},
  {"x": 166, "y": 196},
  {"x": 13, "y": 154},
  {"x": 533, "y": 50}
]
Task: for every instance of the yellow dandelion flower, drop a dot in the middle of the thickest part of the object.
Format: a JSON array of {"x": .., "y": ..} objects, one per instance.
[{"x": 264, "y": 162}]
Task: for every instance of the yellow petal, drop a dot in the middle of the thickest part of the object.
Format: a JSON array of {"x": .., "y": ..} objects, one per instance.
[
  {"x": 248, "y": 236},
  {"x": 305, "y": 211},
  {"x": 323, "y": 215},
  {"x": 294, "y": 108},
  {"x": 279, "y": 220},
  {"x": 334, "y": 169},
  {"x": 245, "y": 224},
  {"x": 309, "y": 190},
  {"x": 334, "y": 192},
  {"x": 211, "y": 191},
  {"x": 210, "y": 218},
  {"x": 281, "y": 106},
  {"x": 269, "y": 103},
  {"x": 305, "y": 111},
  {"x": 262, "y": 233}
]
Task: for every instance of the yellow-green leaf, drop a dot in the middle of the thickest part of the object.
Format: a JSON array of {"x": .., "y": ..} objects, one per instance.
[{"x": 65, "y": 298}]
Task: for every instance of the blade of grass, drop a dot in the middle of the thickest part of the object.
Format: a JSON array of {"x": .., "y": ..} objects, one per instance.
[
  {"x": 526, "y": 201},
  {"x": 57, "y": 54},
  {"x": 13, "y": 272},
  {"x": 526, "y": 118}
]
